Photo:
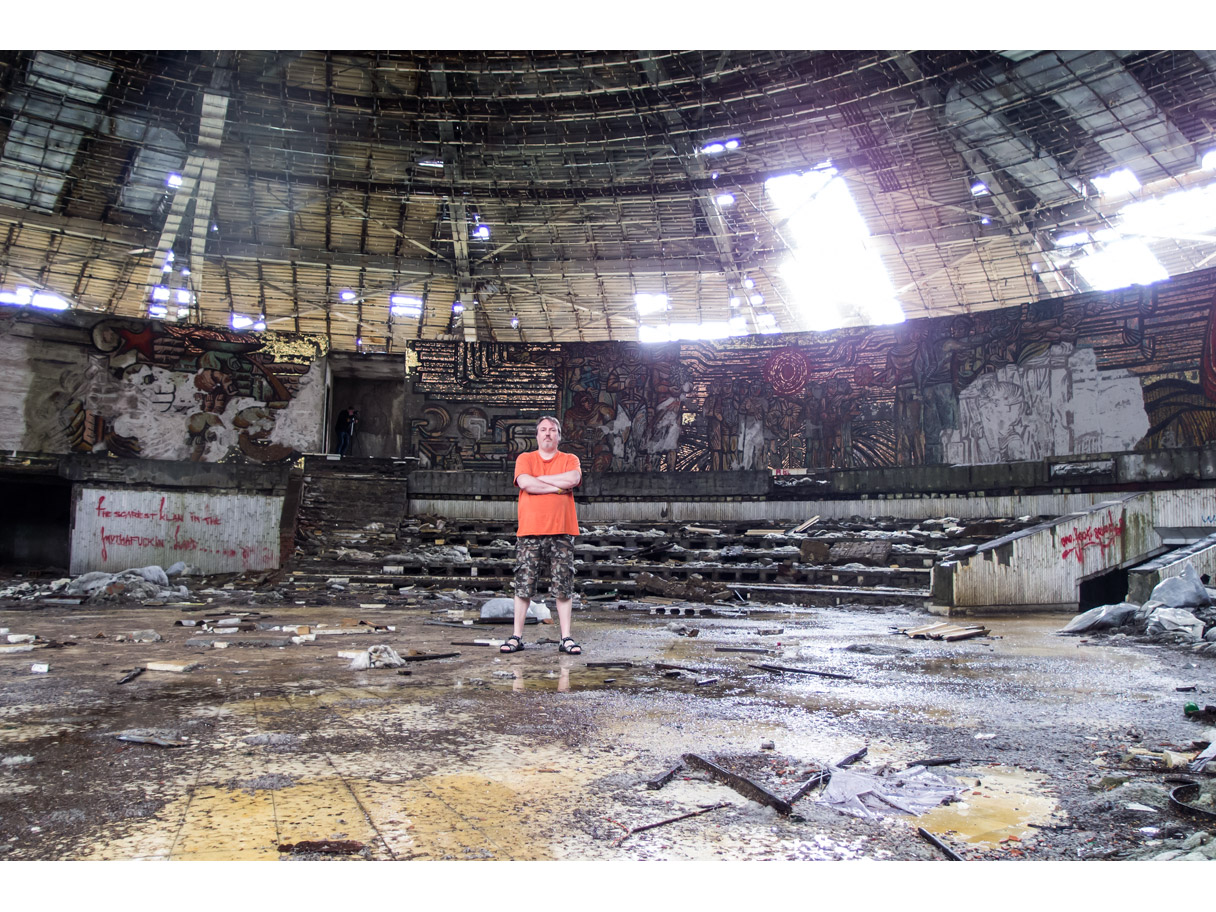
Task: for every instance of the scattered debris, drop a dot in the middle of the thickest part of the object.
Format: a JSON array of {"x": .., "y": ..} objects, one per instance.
[
  {"x": 175, "y": 667},
  {"x": 659, "y": 781},
  {"x": 806, "y": 671},
  {"x": 381, "y": 656},
  {"x": 40, "y": 668},
  {"x": 132, "y": 675},
  {"x": 651, "y": 826},
  {"x": 323, "y": 847},
  {"x": 425, "y": 657},
  {"x": 744, "y": 787},
  {"x": 502, "y": 611},
  {"x": 938, "y": 844},
  {"x": 608, "y": 664},
  {"x": 946, "y": 631},
  {"x": 911, "y": 791},
  {"x": 151, "y": 736}
]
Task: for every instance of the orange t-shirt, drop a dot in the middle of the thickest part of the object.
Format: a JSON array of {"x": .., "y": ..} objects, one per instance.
[{"x": 546, "y": 514}]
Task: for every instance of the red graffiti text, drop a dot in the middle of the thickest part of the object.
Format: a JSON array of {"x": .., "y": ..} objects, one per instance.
[{"x": 1102, "y": 537}]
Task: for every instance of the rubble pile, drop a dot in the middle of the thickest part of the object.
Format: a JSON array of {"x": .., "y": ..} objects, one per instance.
[{"x": 1179, "y": 611}]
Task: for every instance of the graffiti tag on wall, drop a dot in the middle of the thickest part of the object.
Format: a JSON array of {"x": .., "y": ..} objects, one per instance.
[
  {"x": 1103, "y": 537},
  {"x": 115, "y": 530}
]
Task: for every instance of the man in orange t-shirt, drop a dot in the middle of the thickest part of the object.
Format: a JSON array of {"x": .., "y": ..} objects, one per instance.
[{"x": 546, "y": 478}]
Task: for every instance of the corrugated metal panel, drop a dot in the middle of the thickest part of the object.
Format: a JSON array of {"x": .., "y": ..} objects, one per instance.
[{"x": 116, "y": 529}]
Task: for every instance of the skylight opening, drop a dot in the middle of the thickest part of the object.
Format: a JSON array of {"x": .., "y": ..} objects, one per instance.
[
  {"x": 458, "y": 307},
  {"x": 185, "y": 312},
  {"x": 725, "y": 199},
  {"x": 1185, "y": 212},
  {"x": 714, "y": 148},
  {"x": 979, "y": 188},
  {"x": 241, "y": 321},
  {"x": 184, "y": 296},
  {"x": 1123, "y": 263},
  {"x": 160, "y": 292},
  {"x": 20, "y": 298},
  {"x": 651, "y": 303},
  {"x": 482, "y": 232},
  {"x": 347, "y": 295},
  {"x": 1117, "y": 183},
  {"x": 834, "y": 276},
  {"x": 514, "y": 322},
  {"x": 174, "y": 180},
  {"x": 652, "y": 334},
  {"x": 1072, "y": 240},
  {"x": 430, "y": 163},
  {"x": 158, "y": 310},
  {"x": 1208, "y": 162},
  {"x": 405, "y": 306},
  {"x": 48, "y": 301}
]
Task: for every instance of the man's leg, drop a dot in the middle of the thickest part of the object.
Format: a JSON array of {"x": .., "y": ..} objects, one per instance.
[
  {"x": 526, "y": 562},
  {"x": 562, "y": 568},
  {"x": 565, "y": 609},
  {"x": 521, "y": 615}
]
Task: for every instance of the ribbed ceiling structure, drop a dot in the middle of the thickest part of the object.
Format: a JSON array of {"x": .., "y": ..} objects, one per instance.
[{"x": 546, "y": 189}]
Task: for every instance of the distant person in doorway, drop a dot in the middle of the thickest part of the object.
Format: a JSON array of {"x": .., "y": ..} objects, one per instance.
[
  {"x": 546, "y": 478},
  {"x": 348, "y": 420}
]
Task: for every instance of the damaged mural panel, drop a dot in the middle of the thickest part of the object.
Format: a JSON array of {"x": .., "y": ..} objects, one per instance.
[
  {"x": 150, "y": 390},
  {"x": 116, "y": 529},
  {"x": 1103, "y": 372}
]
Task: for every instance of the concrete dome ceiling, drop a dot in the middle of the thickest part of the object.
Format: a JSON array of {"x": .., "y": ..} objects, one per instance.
[{"x": 545, "y": 189}]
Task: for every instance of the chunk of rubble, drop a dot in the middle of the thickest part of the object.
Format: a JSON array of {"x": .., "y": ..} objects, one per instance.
[
  {"x": 381, "y": 656},
  {"x": 502, "y": 611},
  {"x": 1103, "y": 617},
  {"x": 1185, "y": 591}
]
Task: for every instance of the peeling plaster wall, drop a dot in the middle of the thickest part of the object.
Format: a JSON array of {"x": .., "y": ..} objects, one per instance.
[{"x": 142, "y": 389}]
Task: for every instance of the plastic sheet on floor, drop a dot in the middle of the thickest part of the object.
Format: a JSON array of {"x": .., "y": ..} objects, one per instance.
[{"x": 912, "y": 791}]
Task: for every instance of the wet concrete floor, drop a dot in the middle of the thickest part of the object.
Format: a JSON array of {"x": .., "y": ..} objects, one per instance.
[{"x": 285, "y": 752}]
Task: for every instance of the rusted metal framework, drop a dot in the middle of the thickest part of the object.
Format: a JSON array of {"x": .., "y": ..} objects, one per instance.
[{"x": 544, "y": 190}]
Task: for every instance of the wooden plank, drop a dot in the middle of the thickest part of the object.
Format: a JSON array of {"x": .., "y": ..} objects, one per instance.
[
  {"x": 744, "y": 787},
  {"x": 805, "y": 671},
  {"x": 965, "y": 634}
]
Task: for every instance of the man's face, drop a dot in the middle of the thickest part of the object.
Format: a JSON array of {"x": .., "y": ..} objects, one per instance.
[{"x": 548, "y": 436}]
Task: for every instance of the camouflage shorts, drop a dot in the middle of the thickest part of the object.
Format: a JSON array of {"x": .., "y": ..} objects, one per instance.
[{"x": 532, "y": 552}]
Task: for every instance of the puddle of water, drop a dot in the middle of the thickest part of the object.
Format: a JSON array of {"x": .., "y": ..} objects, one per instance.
[{"x": 1008, "y": 802}]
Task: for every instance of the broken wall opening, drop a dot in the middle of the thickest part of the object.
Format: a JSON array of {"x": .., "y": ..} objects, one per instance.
[
  {"x": 375, "y": 387},
  {"x": 36, "y": 526},
  {"x": 1103, "y": 589}
]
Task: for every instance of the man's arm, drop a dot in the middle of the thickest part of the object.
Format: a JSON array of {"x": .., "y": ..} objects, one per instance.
[
  {"x": 563, "y": 480},
  {"x": 534, "y": 485}
]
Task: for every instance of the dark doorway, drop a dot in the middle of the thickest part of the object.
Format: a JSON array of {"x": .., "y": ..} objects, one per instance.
[
  {"x": 1107, "y": 589},
  {"x": 35, "y": 523}
]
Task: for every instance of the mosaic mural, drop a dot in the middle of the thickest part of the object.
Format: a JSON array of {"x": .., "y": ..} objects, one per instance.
[
  {"x": 1093, "y": 373},
  {"x": 150, "y": 390}
]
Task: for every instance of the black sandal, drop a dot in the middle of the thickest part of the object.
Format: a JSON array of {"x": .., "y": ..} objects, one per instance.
[
  {"x": 508, "y": 646},
  {"x": 573, "y": 649}
]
